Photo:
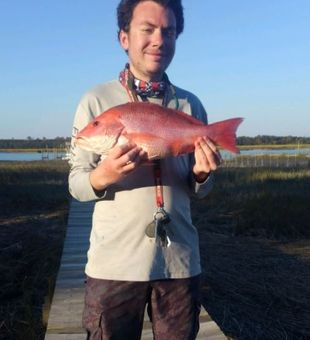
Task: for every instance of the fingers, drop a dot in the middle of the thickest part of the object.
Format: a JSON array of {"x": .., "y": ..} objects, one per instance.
[
  {"x": 127, "y": 156},
  {"x": 119, "y": 162},
  {"x": 207, "y": 157},
  {"x": 132, "y": 159},
  {"x": 209, "y": 152},
  {"x": 119, "y": 150}
]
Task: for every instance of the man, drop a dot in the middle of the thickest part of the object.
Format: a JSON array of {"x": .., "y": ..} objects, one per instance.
[{"x": 130, "y": 266}]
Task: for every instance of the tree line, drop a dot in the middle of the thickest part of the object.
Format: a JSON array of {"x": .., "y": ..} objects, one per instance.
[
  {"x": 272, "y": 140},
  {"x": 61, "y": 142},
  {"x": 31, "y": 143}
]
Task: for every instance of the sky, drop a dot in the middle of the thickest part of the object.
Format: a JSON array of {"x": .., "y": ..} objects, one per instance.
[{"x": 242, "y": 58}]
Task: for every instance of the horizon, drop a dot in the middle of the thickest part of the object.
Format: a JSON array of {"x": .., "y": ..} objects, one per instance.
[{"x": 248, "y": 60}]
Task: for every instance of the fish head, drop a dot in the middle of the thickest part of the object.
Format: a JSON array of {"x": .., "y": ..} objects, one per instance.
[{"x": 100, "y": 135}]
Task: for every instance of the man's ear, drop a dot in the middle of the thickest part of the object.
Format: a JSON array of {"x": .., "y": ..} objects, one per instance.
[{"x": 123, "y": 39}]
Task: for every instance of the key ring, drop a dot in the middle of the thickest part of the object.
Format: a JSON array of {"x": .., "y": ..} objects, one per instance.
[{"x": 160, "y": 214}]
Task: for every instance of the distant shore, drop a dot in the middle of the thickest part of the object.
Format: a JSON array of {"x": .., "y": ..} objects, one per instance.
[
  {"x": 34, "y": 150},
  {"x": 241, "y": 147}
]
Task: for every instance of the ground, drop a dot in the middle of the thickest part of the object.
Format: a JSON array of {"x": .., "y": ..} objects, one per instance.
[{"x": 254, "y": 240}]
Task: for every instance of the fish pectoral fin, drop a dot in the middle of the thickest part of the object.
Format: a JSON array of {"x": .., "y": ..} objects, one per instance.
[{"x": 156, "y": 147}]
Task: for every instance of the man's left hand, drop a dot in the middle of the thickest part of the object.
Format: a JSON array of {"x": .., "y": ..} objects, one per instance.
[{"x": 207, "y": 158}]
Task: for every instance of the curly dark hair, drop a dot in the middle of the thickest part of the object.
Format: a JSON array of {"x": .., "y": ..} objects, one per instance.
[{"x": 126, "y": 7}]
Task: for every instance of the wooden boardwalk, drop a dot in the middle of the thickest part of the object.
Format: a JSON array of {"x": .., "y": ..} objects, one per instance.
[{"x": 66, "y": 311}]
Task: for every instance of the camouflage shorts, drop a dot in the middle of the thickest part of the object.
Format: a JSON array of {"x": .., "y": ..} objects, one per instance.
[{"x": 114, "y": 310}]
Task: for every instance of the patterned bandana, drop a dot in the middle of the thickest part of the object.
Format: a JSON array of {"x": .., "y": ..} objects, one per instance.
[{"x": 141, "y": 87}]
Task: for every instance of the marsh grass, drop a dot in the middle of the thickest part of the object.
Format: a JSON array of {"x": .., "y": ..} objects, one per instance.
[
  {"x": 33, "y": 214},
  {"x": 254, "y": 248},
  {"x": 31, "y": 186},
  {"x": 255, "y": 252},
  {"x": 262, "y": 202}
]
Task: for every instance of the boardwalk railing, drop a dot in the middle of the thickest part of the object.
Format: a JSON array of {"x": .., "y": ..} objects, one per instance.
[
  {"x": 271, "y": 161},
  {"x": 65, "y": 315}
]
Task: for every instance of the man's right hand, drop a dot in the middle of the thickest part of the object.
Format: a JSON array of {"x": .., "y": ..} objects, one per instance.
[{"x": 120, "y": 161}]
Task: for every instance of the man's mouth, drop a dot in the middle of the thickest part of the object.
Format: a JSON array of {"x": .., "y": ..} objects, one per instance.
[{"x": 156, "y": 56}]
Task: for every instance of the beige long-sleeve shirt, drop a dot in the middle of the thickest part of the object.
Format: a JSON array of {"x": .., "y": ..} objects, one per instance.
[{"x": 119, "y": 247}]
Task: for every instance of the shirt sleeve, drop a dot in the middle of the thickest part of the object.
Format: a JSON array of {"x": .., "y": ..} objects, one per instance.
[
  {"x": 200, "y": 190},
  {"x": 82, "y": 162}
]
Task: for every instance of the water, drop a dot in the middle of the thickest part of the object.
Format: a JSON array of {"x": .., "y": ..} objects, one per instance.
[
  {"x": 28, "y": 156},
  {"x": 36, "y": 156},
  {"x": 256, "y": 152}
]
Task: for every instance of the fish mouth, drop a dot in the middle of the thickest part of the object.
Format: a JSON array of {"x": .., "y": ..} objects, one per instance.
[
  {"x": 83, "y": 142},
  {"x": 96, "y": 144}
]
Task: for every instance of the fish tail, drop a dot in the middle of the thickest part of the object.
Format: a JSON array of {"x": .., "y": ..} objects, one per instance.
[{"x": 223, "y": 133}]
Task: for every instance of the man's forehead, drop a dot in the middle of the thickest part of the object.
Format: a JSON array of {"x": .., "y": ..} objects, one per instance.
[
  {"x": 150, "y": 22},
  {"x": 165, "y": 17}
]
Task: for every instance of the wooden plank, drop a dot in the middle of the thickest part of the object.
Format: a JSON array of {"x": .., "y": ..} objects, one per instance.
[
  {"x": 65, "y": 315},
  {"x": 76, "y": 233},
  {"x": 65, "y": 336},
  {"x": 71, "y": 249},
  {"x": 73, "y": 258},
  {"x": 81, "y": 248},
  {"x": 211, "y": 331},
  {"x": 69, "y": 283}
]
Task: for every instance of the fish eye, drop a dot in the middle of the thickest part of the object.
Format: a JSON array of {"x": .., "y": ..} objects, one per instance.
[{"x": 95, "y": 123}]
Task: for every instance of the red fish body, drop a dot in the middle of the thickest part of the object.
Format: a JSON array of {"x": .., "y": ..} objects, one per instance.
[{"x": 160, "y": 131}]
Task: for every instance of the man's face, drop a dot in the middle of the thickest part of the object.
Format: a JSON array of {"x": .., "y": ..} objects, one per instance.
[{"x": 150, "y": 41}]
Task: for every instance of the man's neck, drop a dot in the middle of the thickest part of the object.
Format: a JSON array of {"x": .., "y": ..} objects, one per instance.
[{"x": 147, "y": 77}]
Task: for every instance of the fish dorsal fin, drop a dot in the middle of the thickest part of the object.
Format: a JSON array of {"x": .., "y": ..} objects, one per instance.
[{"x": 190, "y": 119}]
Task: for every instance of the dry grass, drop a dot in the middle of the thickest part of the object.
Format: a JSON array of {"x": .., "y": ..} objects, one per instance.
[
  {"x": 255, "y": 289},
  {"x": 256, "y": 253},
  {"x": 254, "y": 244},
  {"x": 33, "y": 214}
]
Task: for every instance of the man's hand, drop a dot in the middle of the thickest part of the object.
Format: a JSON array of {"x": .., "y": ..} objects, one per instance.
[
  {"x": 121, "y": 160},
  {"x": 207, "y": 158}
]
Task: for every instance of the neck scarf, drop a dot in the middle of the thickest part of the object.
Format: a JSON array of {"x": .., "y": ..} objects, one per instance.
[{"x": 155, "y": 89}]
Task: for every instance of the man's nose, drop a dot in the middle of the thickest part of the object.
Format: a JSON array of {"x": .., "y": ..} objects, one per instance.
[{"x": 158, "y": 37}]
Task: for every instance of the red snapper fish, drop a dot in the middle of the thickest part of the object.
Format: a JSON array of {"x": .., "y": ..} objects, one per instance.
[{"x": 160, "y": 131}]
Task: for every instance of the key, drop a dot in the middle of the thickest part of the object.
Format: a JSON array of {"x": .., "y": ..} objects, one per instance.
[
  {"x": 150, "y": 229},
  {"x": 162, "y": 237},
  {"x": 160, "y": 215}
]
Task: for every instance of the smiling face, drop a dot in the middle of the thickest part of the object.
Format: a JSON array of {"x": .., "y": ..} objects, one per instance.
[{"x": 150, "y": 42}]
